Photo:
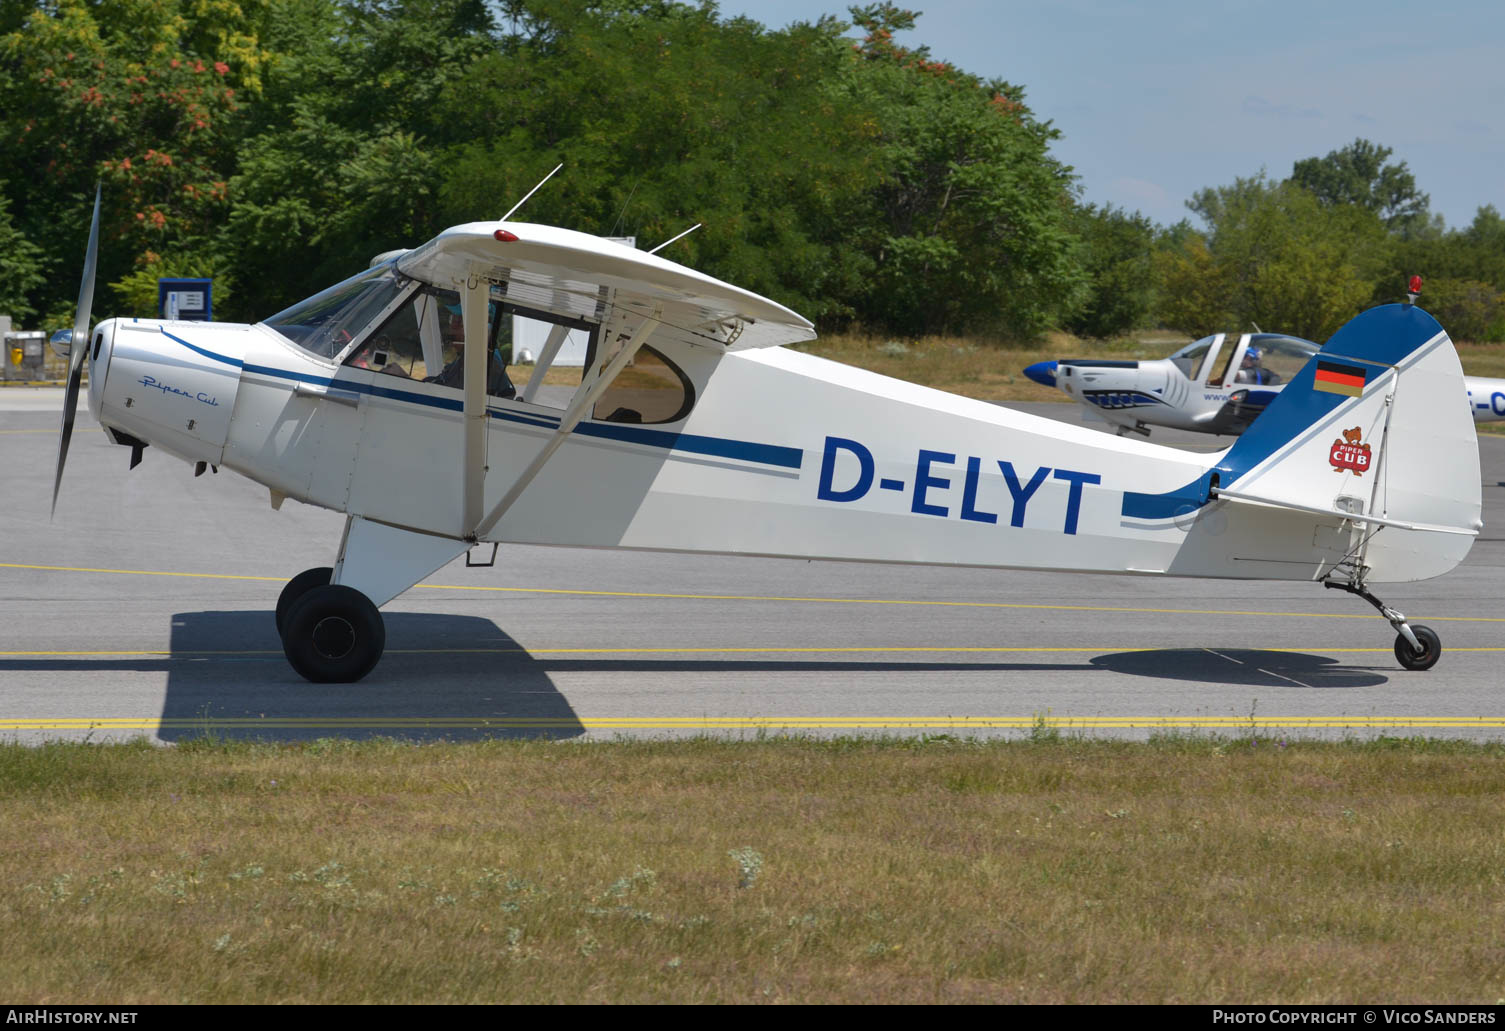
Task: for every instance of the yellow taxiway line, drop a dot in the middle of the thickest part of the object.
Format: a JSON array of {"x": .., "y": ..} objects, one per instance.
[
  {"x": 778, "y": 598},
  {"x": 830, "y": 650},
  {"x": 763, "y": 723}
]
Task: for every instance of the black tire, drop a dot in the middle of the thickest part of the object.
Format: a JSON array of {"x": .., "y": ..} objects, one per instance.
[
  {"x": 1431, "y": 649},
  {"x": 297, "y": 587},
  {"x": 334, "y": 635}
]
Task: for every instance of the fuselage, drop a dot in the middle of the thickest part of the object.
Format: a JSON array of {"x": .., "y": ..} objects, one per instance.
[{"x": 775, "y": 452}]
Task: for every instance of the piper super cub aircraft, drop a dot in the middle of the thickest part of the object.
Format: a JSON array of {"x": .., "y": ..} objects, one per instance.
[
  {"x": 692, "y": 429},
  {"x": 1218, "y": 384}
]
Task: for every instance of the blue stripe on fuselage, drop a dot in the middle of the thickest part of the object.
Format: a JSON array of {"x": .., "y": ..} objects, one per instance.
[{"x": 233, "y": 362}]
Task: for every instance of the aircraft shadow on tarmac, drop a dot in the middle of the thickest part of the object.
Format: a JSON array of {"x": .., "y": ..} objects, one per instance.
[
  {"x": 442, "y": 678},
  {"x": 1241, "y": 667}
]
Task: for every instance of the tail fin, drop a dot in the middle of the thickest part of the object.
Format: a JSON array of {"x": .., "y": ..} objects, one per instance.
[{"x": 1375, "y": 425}]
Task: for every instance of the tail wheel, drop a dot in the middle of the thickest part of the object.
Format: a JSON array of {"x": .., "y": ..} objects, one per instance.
[
  {"x": 1431, "y": 649},
  {"x": 296, "y": 588},
  {"x": 333, "y": 635}
]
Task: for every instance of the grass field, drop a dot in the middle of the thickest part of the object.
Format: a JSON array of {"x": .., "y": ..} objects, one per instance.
[{"x": 1045, "y": 870}]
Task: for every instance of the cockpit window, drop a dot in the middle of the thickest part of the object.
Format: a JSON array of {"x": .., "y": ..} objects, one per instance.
[
  {"x": 329, "y": 320},
  {"x": 1274, "y": 359},
  {"x": 1223, "y": 360},
  {"x": 1190, "y": 357},
  {"x": 424, "y": 339},
  {"x": 650, "y": 389}
]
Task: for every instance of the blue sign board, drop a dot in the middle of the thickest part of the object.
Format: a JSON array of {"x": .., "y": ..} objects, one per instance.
[{"x": 191, "y": 300}]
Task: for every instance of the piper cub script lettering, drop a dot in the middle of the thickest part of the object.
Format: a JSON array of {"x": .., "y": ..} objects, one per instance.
[
  {"x": 930, "y": 491},
  {"x": 151, "y": 381}
]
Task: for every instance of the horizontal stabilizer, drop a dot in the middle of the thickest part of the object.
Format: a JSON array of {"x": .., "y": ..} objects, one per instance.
[{"x": 1239, "y": 496}]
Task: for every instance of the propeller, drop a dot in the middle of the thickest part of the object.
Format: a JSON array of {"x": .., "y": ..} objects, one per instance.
[{"x": 78, "y": 348}]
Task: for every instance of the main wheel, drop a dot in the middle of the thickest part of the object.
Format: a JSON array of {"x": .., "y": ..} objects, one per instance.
[
  {"x": 1431, "y": 649},
  {"x": 333, "y": 635},
  {"x": 296, "y": 588}
]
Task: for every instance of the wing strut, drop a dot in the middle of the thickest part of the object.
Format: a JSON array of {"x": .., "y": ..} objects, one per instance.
[
  {"x": 544, "y": 361},
  {"x": 584, "y": 399},
  {"x": 473, "y": 300}
]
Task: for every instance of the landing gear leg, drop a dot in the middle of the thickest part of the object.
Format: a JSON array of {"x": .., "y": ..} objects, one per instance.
[{"x": 1416, "y": 647}]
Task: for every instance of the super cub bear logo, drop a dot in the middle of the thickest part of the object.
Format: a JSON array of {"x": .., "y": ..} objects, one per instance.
[{"x": 1350, "y": 454}]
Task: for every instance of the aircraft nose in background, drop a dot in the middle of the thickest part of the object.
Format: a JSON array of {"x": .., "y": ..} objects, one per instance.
[{"x": 1043, "y": 373}]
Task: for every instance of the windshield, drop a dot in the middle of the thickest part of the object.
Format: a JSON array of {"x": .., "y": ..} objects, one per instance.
[{"x": 328, "y": 320}]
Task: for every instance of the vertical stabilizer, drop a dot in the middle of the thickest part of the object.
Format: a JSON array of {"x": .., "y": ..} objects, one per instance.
[{"x": 1372, "y": 427}]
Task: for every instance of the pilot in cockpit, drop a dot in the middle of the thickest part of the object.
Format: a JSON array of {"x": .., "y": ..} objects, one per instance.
[
  {"x": 1250, "y": 370},
  {"x": 453, "y": 375}
]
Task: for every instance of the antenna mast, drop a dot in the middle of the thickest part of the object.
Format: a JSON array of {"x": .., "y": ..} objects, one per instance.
[
  {"x": 667, "y": 242},
  {"x": 530, "y": 193}
]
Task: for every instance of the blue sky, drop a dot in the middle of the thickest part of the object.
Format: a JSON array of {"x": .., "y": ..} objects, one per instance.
[{"x": 1158, "y": 99}]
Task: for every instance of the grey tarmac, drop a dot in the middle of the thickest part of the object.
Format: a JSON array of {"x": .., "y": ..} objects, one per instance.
[{"x": 145, "y": 609}]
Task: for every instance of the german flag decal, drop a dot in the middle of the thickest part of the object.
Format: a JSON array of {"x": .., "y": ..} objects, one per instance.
[{"x": 1337, "y": 378}]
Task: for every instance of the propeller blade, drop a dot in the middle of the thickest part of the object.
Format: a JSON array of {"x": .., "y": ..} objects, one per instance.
[{"x": 78, "y": 348}]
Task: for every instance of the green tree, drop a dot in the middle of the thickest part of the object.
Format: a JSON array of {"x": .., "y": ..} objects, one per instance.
[
  {"x": 20, "y": 267},
  {"x": 970, "y": 225},
  {"x": 119, "y": 93},
  {"x": 1195, "y": 291},
  {"x": 1474, "y": 253},
  {"x": 1118, "y": 256},
  {"x": 665, "y": 116},
  {"x": 280, "y": 144},
  {"x": 1468, "y": 309},
  {"x": 1358, "y": 174},
  {"x": 1275, "y": 256},
  {"x": 342, "y": 157},
  {"x": 864, "y": 183}
]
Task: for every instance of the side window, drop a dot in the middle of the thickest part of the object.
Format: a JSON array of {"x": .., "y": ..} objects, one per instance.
[
  {"x": 1224, "y": 359},
  {"x": 397, "y": 347},
  {"x": 549, "y": 354},
  {"x": 425, "y": 340},
  {"x": 1284, "y": 358},
  {"x": 448, "y": 367},
  {"x": 650, "y": 389}
]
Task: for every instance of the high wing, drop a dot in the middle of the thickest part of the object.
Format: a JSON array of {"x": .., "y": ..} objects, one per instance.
[{"x": 579, "y": 276}]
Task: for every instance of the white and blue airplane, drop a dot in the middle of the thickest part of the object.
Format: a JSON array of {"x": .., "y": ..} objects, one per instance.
[
  {"x": 692, "y": 429},
  {"x": 1218, "y": 384}
]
